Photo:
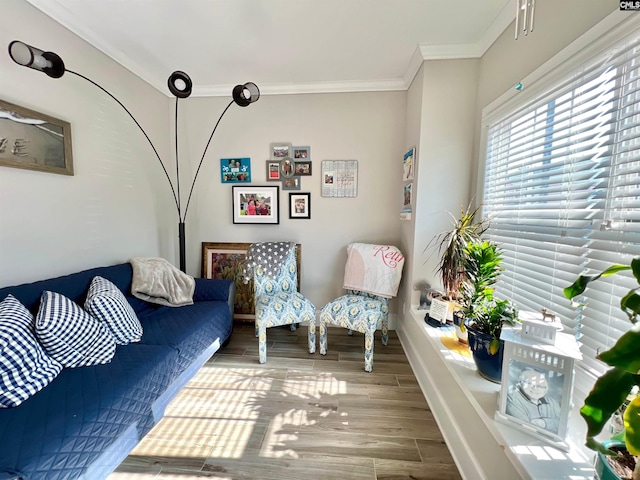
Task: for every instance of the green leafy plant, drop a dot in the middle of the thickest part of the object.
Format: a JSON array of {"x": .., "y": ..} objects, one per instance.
[
  {"x": 452, "y": 247},
  {"x": 611, "y": 389},
  {"x": 484, "y": 312}
]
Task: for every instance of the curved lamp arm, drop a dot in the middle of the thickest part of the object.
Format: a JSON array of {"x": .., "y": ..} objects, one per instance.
[
  {"x": 175, "y": 197},
  {"x": 179, "y": 85}
]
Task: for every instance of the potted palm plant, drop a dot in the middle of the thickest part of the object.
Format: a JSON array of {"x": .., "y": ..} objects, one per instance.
[
  {"x": 611, "y": 389},
  {"x": 485, "y": 314},
  {"x": 452, "y": 248}
]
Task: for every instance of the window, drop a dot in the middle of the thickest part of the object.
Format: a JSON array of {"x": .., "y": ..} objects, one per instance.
[{"x": 562, "y": 189}]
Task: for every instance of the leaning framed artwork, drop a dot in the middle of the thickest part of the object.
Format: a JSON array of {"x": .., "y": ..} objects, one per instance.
[
  {"x": 258, "y": 205},
  {"x": 223, "y": 260},
  {"x": 34, "y": 141}
]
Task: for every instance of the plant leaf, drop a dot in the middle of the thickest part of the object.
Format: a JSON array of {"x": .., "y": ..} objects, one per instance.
[
  {"x": 580, "y": 285},
  {"x": 606, "y": 396},
  {"x": 494, "y": 346},
  {"x": 632, "y": 426},
  {"x": 624, "y": 354}
]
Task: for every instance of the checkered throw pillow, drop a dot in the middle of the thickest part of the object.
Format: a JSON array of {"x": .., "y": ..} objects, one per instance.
[
  {"x": 71, "y": 335},
  {"x": 25, "y": 368},
  {"x": 107, "y": 303}
]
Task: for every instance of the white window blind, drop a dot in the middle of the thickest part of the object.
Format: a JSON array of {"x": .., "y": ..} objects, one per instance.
[{"x": 562, "y": 190}]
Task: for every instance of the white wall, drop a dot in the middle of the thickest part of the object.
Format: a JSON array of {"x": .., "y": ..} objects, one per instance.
[
  {"x": 367, "y": 127},
  {"x": 116, "y": 205},
  {"x": 442, "y": 103}
]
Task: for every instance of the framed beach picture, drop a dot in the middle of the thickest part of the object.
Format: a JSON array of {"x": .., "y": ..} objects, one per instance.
[
  {"x": 34, "y": 141},
  {"x": 223, "y": 260},
  {"x": 235, "y": 170},
  {"x": 258, "y": 205}
]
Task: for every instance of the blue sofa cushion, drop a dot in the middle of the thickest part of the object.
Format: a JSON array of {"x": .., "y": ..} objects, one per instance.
[
  {"x": 70, "y": 335},
  {"x": 61, "y": 431},
  {"x": 25, "y": 368},
  {"x": 190, "y": 328},
  {"x": 106, "y": 303}
]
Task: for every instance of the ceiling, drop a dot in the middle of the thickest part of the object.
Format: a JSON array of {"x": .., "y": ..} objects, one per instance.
[{"x": 284, "y": 46}]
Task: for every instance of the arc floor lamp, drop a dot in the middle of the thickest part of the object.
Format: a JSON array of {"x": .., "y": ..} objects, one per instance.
[{"x": 180, "y": 86}]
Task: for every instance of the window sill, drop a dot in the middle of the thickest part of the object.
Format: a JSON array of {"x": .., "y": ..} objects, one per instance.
[{"x": 464, "y": 404}]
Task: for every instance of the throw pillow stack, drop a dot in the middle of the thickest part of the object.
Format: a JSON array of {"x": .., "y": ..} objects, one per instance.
[{"x": 33, "y": 351}]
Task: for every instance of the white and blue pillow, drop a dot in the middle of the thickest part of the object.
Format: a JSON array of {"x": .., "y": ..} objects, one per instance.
[
  {"x": 25, "y": 367},
  {"x": 70, "y": 335},
  {"x": 107, "y": 303}
]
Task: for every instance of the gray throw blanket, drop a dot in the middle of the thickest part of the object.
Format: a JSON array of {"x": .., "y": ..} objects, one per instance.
[
  {"x": 268, "y": 255},
  {"x": 157, "y": 281}
]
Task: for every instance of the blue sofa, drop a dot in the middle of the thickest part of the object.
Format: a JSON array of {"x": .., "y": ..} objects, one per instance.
[{"x": 85, "y": 422}]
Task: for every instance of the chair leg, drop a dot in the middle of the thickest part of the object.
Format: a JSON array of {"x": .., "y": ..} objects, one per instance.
[
  {"x": 293, "y": 327},
  {"x": 312, "y": 335},
  {"x": 256, "y": 324},
  {"x": 385, "y": 331},
  {"x": 369, "y": 337},
  {"x": 323, "y": 337},
  {"x": 262, "y": 343}
]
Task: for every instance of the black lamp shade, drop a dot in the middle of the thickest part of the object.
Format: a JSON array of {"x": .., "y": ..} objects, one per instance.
[
  {"x": 246, "y": 94},
  {"x": 180, "y": 84},
  {"x": 32, "y": 57}
]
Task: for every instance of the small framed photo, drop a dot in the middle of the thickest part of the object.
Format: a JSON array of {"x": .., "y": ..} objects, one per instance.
[
  {"x": 273, "y": 170},
  {"x": 292, "y": 183},
  {"x": 235, "y": 170},
  {"x": 280, "y": 150},
  {"x": 258, "y": 205},
  {"x": 303, "y": 168},
  {"x": 301, "y": 153},
  {"x": 287, "y": 167},
  {"x": 300, "y": 205}
]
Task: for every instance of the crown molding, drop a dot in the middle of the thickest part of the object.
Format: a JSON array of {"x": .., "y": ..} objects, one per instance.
[{"x": 423, "y": 52}]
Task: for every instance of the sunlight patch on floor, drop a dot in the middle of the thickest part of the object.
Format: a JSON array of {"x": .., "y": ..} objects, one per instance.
[
  {"x": 280, "y": 433},
  {"x": 314, "y": 385},
  {"x": 198, "y": 438}
]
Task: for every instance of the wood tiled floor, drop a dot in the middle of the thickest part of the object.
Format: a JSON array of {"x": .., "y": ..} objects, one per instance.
[{"x": 297, "y": 417}]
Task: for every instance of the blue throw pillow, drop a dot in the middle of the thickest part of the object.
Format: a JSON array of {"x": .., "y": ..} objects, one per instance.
[
  {"x": 70, "y": 335},
  {"x": 108, "y": 304},
  {"x": 25, "y": 368}
]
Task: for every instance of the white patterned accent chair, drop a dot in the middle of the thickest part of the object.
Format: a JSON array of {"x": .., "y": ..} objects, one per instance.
[
  {"x": 378, "y": 269},
  {"x": 359, "y": 311},
  {"x": 278, "y": 302}
]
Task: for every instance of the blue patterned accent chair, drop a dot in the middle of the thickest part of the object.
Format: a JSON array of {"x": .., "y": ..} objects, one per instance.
[
  {"x": 359, "y": 311},
  {"x": 278, "y": 302}
]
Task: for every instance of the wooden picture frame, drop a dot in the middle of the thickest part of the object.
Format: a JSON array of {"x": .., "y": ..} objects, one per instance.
[
  {"x": 34, "y": 141},
  {"x": 225, "y": 260},
  {"x": 256, "y": 205}
]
